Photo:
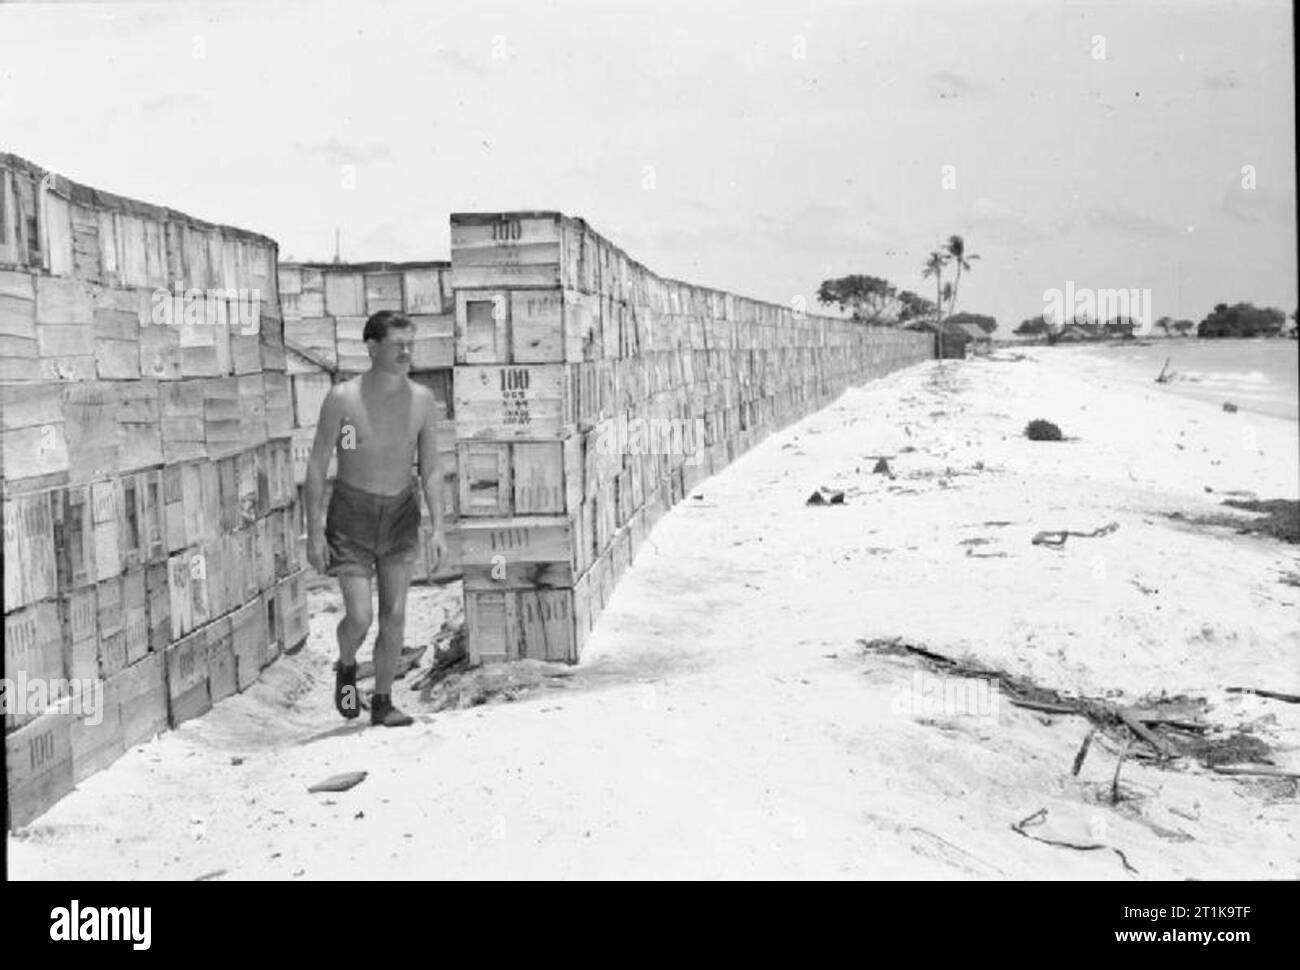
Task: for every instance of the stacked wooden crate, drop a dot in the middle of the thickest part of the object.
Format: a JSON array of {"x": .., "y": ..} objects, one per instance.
[
  {"x": 150, "y": 568},
  {"x": 325, "y": 309},
  {"x": 590, "y": 395}
]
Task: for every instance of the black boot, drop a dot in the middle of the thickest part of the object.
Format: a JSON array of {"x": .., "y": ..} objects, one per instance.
[
  {"x": 346, "y": 697},
  {"x": 383, "y": 712}
]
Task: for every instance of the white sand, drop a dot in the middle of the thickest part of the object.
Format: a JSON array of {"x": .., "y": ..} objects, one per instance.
[{"x": 725, "y": 724}]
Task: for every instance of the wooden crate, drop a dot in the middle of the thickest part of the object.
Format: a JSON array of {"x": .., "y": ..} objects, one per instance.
[
  {"x": 316, "y": 336},
  {"x": 106, "y": 522},
  {"x": 293, "y": 606},
  {"x": 116, "y": 334},
  {"x": 344, "y": 294},
  {"x": 273, "y": 623},
  {"x": 547, "y": 477},
  {"x": 219, "y": 565},
  {"x": 264, "y": 554},
  {"x": 252, "y": 410},
  {"x": 509, "y": 249},
  {"x": 224, "y": 424},
  {"x": 38, "y": 757},
  {"x": 537, "y": 327},
  {"x": 279, "y": 405},
  {"x": 252, "y": 486},
  {"x": 422, "y": 291},
  {"x": 354, "y": 356},
  {"x": 248, "y": 642},
  {"x": 435, "y": 342},
  {"x": 144, "y": 523},
  {"x": 188, "y": 604},
  {"x": 222, "y": 677},
  {"x": 141, "y": 693},
  {"x": 90, "y": 414},
  {"x": 279, "y": 473},
  {"x": 483, "y": 470},
  {"x": 158, "y": 596},
  {"x": 19, "y": 352},
  {"x": 31, "y": 566},
  {"x": 64, "y": 301},
  {"x": 79, "y": 625},
  {"x": 383, "y": 292},
  {"x": 311, "y": 301},
  {"x": 33, "y": 442},
  {"x": 309, "y": 393},
  {"x": 182, "y": 407},
  {"x": 188, "y": 692},
  {"x": 160, "y": 352},
  {"x": 95, "y": 729},
  {"x": 482, "y": 327},
  {"x": 525, "y": 402},
  {"x": 523, "y": 539},
  {"x": 200, "y": 501},
  {"x": 33, "y": 652},
  {"x": 523, "y": 624}
]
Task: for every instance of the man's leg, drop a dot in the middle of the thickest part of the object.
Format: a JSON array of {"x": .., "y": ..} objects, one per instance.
[
  {"x": 351, "y": 634},
  {"x": 394, "y": 580},
  {"x": 354, "y": 626}
]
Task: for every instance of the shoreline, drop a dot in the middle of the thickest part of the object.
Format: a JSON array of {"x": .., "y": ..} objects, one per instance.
[
  {"x": 725, "y": 720},
  {"x": 1191, "y": 381}
]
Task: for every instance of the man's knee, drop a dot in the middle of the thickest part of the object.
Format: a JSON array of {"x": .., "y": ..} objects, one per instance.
[
  {"x": 393, "y": 617},
  {"x": 356, "y": 622}
]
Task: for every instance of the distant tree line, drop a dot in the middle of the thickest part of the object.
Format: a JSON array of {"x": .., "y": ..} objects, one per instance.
[
  {"x": 1238, "y": 320},
  {"x": 873, "y": 300},
  {"x": 1242, "y": 320}
]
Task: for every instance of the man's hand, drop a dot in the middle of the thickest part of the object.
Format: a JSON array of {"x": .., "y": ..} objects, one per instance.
[
  {"x": 439, "y": 550},
  {"x": 317, "y": 552}
]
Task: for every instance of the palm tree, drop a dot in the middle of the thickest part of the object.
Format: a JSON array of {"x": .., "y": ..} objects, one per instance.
[
  {"x": 956, "y": 251},
  {"x": 934, "y": 267}
]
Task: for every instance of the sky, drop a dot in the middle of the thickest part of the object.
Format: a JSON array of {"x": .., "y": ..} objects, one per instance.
[{"x": 756, "y": 147}]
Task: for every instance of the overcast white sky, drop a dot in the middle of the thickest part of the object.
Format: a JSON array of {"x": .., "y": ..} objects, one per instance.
[{"x": 695, "y": 136}]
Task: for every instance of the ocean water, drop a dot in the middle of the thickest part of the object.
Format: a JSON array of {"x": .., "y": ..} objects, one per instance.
[{"x": 1258, "y": 375}]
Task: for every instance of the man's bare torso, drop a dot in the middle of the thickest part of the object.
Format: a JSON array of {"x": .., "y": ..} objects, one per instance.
[{"x": 378, "y": 434}]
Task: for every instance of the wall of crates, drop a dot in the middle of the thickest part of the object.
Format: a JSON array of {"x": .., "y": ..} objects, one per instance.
[
  {"x": 325, "y": 310},
  {"x": 590, "y": 395},
  {"x": 149, "y": 507}
]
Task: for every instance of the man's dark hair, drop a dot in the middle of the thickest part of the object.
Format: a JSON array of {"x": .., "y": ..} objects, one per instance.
[{"x": 380, "y": 323}]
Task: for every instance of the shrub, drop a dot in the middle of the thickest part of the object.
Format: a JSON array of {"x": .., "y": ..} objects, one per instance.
[{"x": 1040, "y": 430}]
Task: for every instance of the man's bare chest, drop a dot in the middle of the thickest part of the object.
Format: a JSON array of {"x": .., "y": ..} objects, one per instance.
[{"x": 378, "y": 428}]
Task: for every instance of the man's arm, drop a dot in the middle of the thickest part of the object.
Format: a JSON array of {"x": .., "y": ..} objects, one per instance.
[
  {"x": 431, "y": 475},
  {"x": 322, "y": 450}
]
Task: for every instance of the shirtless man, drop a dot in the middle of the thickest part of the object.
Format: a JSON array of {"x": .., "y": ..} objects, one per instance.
[{"x": 376, "y": 421}]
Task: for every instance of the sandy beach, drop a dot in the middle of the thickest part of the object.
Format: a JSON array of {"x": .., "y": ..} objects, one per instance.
[{"x": 734, "y": 715}]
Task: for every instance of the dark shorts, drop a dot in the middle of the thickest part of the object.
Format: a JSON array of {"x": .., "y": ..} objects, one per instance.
[{"x": 365, "y": 530}]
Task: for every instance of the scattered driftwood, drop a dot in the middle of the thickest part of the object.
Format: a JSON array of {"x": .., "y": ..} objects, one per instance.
[
  {"x": 1040, "y": 816},
  {"x": 826, "y": 496},
  {"x": 1045, "y": 708},
  {"x": 1058, "y": 537},
  {"x": 349, "y": 779},
  {"x": 1260, "y": 772},
  {"x": 1114, "y": 782},
  {"x": 1133, "y": 721},
  {"x": 1137, "y": 727},
  {"x": 214, "y": 874},
  {"x": 1272, "y": 694},
  {"x": 406, "y": 661},
  {"x": 1083, "y": 751}
]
